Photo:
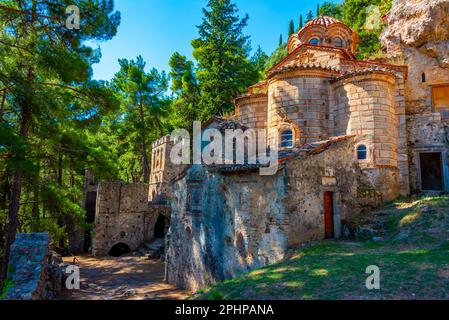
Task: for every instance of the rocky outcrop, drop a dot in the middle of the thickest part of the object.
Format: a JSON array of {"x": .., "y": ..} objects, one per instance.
[
  {"x": 419, "y": 24},
  {"x": 418, "y": 36},
  {"x": 34, "y": 272}
]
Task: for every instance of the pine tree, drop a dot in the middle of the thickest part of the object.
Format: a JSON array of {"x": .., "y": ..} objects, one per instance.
[
  {"x": 281, "y": 41},
  {"x": 309, "y": 16},
  {"x": 222, "y": 51},
  {"x": 318, "y": 10},
  {"x": 47, "y": 70},
  {"x": 332, "y": 10},
  {"x": 301, "y": 22},
  {"x": 143, "y": 102},
  {"x": 184, "y": 85},
  {"x": 259, "y": 62},
  {"x": 291, "y": 28}
]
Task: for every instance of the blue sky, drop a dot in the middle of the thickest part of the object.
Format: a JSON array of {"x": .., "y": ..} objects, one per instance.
[{"x": 157, "y": 28}]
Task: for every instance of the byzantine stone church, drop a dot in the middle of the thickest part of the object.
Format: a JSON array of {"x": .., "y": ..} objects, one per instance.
[{"x": 352, "y": 135}]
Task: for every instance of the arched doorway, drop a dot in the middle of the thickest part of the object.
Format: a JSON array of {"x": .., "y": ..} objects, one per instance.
[
  {"x": 159, "y": 228},
  {"x": 119, "y": 250}
]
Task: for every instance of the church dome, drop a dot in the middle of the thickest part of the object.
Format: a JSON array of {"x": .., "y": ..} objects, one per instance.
[
  {"x": 325, "y": 31},
  {"x": 324, "y": 21}
]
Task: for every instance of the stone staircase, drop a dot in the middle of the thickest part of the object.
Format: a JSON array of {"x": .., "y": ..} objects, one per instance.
[{"x": 156, "y": 249}]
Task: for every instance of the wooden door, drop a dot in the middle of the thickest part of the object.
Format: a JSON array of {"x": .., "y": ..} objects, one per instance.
[
  {"x": 329, "y": 215},
  {"x": 431, "y": 172}
]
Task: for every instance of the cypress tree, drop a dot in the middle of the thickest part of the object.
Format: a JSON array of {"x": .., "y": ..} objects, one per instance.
[
  {"x": 222, "y": 51},
  {"x": 301, "y": 22},
  {"x": 291, "y": 28},
  {"x": 309, "y": 16}
]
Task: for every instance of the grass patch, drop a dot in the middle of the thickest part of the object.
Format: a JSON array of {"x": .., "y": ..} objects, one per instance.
[{"x": 414, "y": 267}]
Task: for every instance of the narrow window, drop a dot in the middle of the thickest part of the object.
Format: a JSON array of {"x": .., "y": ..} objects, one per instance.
[
  {"x": 287, "y": 139},
  {"x": 362, "y": 152},
  {"x": 423, "y": 77}
]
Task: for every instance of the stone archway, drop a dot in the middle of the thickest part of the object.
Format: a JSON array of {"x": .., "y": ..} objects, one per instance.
[
  {"x": 119, "y": 250},
  {"x": 160, "y": 227}
]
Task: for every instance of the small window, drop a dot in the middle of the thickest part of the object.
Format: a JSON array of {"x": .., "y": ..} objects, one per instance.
[
  {"x": 362, "y": 152},
  {"x": 314, "y": 41},
  {"x": 338, "y": 42},
  {"x": 194, "y": 200},
  {"x": 423, "y": 77},
  {"x": 287, "y": 139}
]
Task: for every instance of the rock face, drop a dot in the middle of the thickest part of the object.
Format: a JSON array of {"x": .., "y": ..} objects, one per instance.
[
  {"x": 418, "y": 35},
  {"x": 34, "y": 273},
  {"x": 419, "y": 24}
]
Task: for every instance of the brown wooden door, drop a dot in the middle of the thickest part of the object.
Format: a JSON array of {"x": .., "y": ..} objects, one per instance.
[{"x": 329, "y": 215}]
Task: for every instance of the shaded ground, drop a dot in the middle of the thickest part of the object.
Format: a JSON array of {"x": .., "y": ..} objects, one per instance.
[
  {"x": 411, "y": 249},
  {"x": 129, "y": 277}
]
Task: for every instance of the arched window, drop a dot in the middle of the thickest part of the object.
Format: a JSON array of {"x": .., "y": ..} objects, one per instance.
[
  {"x": 338, "y": 42},
  {"x": 362, "y": 152},
  {"x": 287, "y": 139},
  {"x": 314, "y": 41},
  {"x": 423, "y": 77}
]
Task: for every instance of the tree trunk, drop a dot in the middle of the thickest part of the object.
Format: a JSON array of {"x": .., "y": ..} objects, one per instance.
[
  {"x": 35, "y": 219},
  {"x": 2, "y": 104},
  {"x": 16, "y": 188},
  {"x": 60, "y": 162},
  {"x": 146, "y": 166}
]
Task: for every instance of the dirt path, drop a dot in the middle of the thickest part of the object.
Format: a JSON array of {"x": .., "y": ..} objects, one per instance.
[{"x": 124, "y": 278}]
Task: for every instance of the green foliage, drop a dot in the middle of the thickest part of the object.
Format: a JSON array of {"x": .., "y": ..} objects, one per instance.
[
  {"x": 259, "y": 61},
  {"x": 49, "y": 105},
  {"x": 301, "y": 22},
  {"x": 336, "y": 270},
  {"x": 331, "y": 10},
  {"x": 277, "y": 56},
  {"x": 309, "y": 16},
  {"x": 185, "y": 87},
  {"x": 355, "y": 15},
  {"x": 291, "y": 28},
  {"x": 7, "y": 286},
  {"x": 143, "y": 108},
  {"x": 224, "y": 69}
]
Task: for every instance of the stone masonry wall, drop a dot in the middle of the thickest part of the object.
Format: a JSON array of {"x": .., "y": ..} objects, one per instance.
[
  {"x": 32, "y": 274},
  {"x": 162, "y": 170},
  {"x": 365, "y": 106},
  {"x": 335, "y": 170},
  {"x": 119, "y": 216},
  {"x": 236, "y": 224},
  {"x": 252, "y": 112},
  {"x": 427, "y": 133},
  {"x": 226, "y": 224},
  {"x": 303, "y": 99}
]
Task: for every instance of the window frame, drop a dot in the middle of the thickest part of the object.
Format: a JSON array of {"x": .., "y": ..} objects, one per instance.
[
  {"x": 433, "y": 99},
  {"x": 317, "y": 41},
  {"x": 365, "y": 151},
  {"x": 281, "y": 140},
  {"x": 341, "y": 42}
]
